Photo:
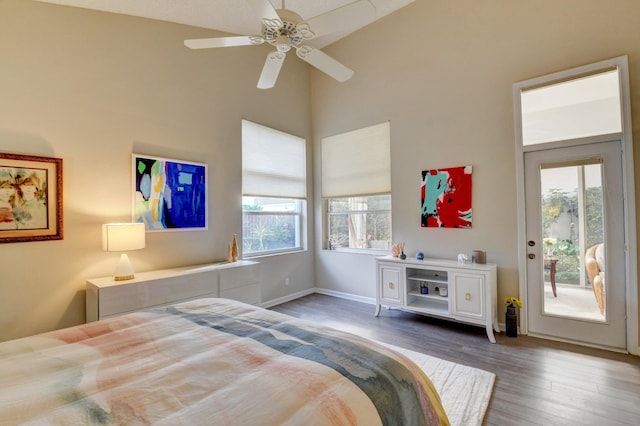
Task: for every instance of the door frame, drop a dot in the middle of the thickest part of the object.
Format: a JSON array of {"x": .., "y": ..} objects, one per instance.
[{"x": 631, "y": 255}]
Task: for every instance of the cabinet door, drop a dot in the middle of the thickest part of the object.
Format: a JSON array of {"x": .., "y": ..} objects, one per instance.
[
  {"x": 241, "y": 283},
  {"x": 468, "y": 296},
  {"x": 389, "y": 291}
]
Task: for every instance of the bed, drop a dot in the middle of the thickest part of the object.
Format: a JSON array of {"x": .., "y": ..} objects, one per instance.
[{"x": 211, "y": 361}]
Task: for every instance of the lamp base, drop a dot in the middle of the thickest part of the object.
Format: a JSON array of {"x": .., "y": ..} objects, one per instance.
[
  {"x": 124, "y": 270},
  {"x": 123, "y": 277}
]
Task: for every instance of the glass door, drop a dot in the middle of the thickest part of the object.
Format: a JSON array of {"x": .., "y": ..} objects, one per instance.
[
  {"x": 571, "y": 212},
  {"x": 575, "y": 239}
]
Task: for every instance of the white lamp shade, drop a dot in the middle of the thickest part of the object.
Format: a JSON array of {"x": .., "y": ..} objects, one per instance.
[{"x": 123, "y": 236}]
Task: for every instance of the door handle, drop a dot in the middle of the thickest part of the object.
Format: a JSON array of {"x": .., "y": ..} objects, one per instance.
[{"x": 531, "y": 256}]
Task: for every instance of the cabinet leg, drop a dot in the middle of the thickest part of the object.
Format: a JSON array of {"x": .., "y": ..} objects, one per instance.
[
  {"x": 378, "y": 306},
  {"x": 490, "y": 335}
]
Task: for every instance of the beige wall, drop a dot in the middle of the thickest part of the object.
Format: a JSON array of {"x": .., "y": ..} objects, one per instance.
[
  {"x": 442, "y": 73},
  {"x": 91, "y": 88}
]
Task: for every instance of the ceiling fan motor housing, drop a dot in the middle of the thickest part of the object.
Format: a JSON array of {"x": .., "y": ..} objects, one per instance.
[{"x": 284, "y": 33}]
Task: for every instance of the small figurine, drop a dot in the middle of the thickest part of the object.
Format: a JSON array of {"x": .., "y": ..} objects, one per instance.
[
  {"x": 229, "y": 255},
  {"x": 234, "y": 249}
]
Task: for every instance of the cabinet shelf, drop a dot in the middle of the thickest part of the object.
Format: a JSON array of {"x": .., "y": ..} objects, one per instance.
[
  {"x": 429, "y": 278},
  {"x": 434, "y": 297},
  {"x": 429, "y": 306}
]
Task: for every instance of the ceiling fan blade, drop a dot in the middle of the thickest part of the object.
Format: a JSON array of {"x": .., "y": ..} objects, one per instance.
[
  {"x": 264, "y": 10},
  {"x": 206, "y": 43},
  {"x": 324, "y": 63},
  {"x": 271, "y": 70},
  {"x": 338, "y": 19}
]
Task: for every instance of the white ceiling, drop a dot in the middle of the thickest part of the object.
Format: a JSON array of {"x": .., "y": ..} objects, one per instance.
[{"x": 232, "y": 16}]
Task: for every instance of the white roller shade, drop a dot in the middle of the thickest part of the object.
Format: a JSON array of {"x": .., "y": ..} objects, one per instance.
[
  {"x": 274, "y": 163},
  {"x": 357, "y": 162}
]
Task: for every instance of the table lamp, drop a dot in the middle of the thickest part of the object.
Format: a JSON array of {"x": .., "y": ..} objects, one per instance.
[{"x": 123, "y": 237}]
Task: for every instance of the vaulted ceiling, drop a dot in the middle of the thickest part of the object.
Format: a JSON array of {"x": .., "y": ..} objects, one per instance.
[{"x": 232, "y": 16}]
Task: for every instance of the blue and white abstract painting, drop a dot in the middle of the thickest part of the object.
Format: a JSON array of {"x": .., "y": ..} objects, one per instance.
[{"x": 169, "y": 194}]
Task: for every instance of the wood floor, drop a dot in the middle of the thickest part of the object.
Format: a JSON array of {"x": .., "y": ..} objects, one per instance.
[{"x": 539, "y": 382}]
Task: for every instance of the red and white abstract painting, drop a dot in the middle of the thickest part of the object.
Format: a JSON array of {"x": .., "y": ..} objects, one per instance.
[{"x": 446, "y": 198}]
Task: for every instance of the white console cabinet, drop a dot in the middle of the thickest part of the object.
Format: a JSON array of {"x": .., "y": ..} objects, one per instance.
[
  {"x": 237, "y": 280},
  {"x": 443, "y": 288}
]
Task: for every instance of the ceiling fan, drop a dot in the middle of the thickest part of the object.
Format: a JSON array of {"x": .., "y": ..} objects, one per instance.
[{"x": 285, "y": 29}]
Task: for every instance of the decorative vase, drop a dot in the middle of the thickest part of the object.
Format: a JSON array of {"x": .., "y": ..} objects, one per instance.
[
  {"x": 403, "y": 256},
  {"x": 511, "y": 321},
  {"x": 234, "y": 249}
]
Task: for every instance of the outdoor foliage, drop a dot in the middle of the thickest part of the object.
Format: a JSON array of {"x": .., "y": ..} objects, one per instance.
[
  {"x": 558, "y": 202},
  {"x": 268, "y": 232}
]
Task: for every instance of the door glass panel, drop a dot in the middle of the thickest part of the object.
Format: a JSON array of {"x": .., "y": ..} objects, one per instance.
[
  {"x": 573, "y": 240},
  {"x": 580, "y": 107}
]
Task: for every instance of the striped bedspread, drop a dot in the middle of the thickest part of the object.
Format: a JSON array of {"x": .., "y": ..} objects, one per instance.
[{"x": 210, "y": 361}]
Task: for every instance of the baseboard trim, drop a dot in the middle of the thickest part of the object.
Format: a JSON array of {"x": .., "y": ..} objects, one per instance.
[
  {"x": 294, "y": 296},
  {"x": 287, "y": 298},
  {"x": 369, "y": 300}
]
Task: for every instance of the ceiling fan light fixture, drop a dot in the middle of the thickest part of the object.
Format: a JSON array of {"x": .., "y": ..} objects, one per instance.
[{"x": 283, "y": 44}]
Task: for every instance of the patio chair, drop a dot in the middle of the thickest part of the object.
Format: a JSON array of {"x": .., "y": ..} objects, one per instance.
[{"x": 594, "y": 264}]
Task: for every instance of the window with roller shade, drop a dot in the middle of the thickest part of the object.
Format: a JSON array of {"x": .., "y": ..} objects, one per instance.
[
  {"x": 274, "y": 190},
  {"x": 356, "y": 188}
]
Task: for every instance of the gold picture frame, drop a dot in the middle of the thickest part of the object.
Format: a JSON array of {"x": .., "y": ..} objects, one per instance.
[{"x": 30, "y": 198}]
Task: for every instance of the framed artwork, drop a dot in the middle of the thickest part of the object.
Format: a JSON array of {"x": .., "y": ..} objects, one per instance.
[
  {"x": 446, "y": 198},
  {"x": 30, "y": 198},
  {"x": 169, "y": 194}
]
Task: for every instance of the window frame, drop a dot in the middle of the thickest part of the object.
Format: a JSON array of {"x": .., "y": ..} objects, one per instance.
[
  {"x": 368, "y": 148},
  {"x": 626, "y": 138}
]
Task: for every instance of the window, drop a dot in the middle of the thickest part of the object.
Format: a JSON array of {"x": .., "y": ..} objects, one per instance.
[
  {"x": 360, "y": 222},
  {"x": 574, "y": 108},
  {"x": 271, "y": 225},
  {"x": 356, "y": 187},
  {"x": 274, "y": 188}
]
